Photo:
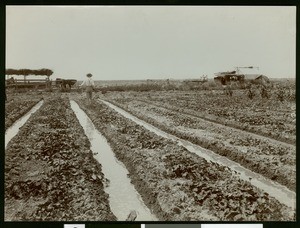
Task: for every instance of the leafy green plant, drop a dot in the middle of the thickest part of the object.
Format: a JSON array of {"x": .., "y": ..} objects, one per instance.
[
  {"x": 264, "y": 92},
  {"x": 280, "y": 94},
  {"x": 250, "y": 93}
]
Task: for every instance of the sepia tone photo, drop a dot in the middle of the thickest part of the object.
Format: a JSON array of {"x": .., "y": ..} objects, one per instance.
[{"x": 150, "y": 113}]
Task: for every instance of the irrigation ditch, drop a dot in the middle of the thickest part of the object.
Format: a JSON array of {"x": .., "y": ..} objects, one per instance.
[
  {"x": 70, "y": 161},
  {"x": 273, "y": 159},
  {"x": 280, "y": 192},
  {"x": 50, "y": 172},
  {"x": 123, "y": 198},
  {"x": 176, "y": 184},
  {"x": 13, "y": 129}
]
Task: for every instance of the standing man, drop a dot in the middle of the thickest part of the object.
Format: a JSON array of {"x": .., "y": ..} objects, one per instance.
[{"x": 89, "y": 87}]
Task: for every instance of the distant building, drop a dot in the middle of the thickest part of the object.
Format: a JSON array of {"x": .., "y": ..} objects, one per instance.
[{"x": 227, "y": 78}]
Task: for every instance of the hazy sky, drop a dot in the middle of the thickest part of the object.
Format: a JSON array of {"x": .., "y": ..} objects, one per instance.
[{"x": 151, "y": 42}]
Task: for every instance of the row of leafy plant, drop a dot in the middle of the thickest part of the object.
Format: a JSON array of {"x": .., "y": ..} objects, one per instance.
[
  {"x": 17, "y": 106},
  {"x": 275, "y": 161},
  {"x": 269, "y": 118},
  {"x": 176, "y": 184},
  {"x": 51, "y": 172}
]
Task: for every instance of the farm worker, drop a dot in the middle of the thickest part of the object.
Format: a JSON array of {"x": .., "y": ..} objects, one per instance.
[{"x": 89, "y": 86}]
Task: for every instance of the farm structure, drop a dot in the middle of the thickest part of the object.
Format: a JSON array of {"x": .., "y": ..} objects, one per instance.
[
  {"x": 188, "y": 156},
  {"x": 228, "y": 77},
  {"x": 27, "y": 78},
  {"x": 38, "y": 78},
  {"x": 39, "y": 82}
]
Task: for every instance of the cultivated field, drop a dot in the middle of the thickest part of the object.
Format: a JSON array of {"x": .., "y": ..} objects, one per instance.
[
  {"x": 17, "y": 105},
  {"x": 209, "y": 156},
  {"x": 50, "y": 172},
  {"x": 259, "y": 135}
]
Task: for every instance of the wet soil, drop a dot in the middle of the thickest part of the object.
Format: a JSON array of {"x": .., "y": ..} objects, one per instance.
[
  {"x": 268, "y": 117},
  {"x": 279, "y": 192},
  {"x": 273, "y": 159},
  {"x": 50, "y": 172},
  {"x": 123, "y": 197},
  {"x": 16, "y": 106},
  {"x": 179, "y": 185}
]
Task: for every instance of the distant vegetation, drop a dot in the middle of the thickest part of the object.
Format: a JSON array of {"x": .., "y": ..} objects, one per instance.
[
  {"x": 153, "y": 85},
  {"x": 279, "y": 89}
]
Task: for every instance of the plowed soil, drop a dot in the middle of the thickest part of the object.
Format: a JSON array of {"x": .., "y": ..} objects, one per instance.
[
  {"x": 177, "y": 184},
  {"x": 17, "y": 105},
  {"x": 50, "y": 172},
  {"x": 51, "y": 175},
  {"x": 273, "y": 159}
]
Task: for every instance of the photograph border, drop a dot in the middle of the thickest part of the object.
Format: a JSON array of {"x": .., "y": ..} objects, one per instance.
[{"x": 179, "y": 3}]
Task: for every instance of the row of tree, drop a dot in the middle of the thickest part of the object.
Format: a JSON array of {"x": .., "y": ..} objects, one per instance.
[{"x": 25, "y": 72}]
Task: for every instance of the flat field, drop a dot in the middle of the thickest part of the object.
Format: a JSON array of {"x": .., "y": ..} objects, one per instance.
[
  {"x": 190, "y": 155},
  {"x": 257, "y": 134}
]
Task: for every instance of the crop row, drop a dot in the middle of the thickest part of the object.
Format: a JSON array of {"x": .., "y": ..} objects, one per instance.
[
  {"x": 50, "y": 172},
  {"x": 276, "y": 161},
  {"x": 176, "y": 184},
  {"x": 17, "y": 107},
  {"x": 268, "y": 117}
]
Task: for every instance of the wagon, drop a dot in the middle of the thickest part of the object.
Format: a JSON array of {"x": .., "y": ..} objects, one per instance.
[{"x": 28, "y": 83}]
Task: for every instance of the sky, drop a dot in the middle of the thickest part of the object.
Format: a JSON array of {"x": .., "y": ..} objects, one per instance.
[{"x": 151, "y": 42}]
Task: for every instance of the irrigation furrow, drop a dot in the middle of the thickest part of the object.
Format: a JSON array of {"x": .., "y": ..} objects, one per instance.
[
  {"x": 14, "y": 129},
  {"x": 259, "y": 117},
  {"x": 17, "y": 106},
  {"x": 50, "y": 172},
  {"x": 123, "y": 198},
  {"x": 229, "y": 128},
  {"x": 274, "y": 161},
  {"x": 179, "y": 185},
  {"x": 280, "y": 192}
]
